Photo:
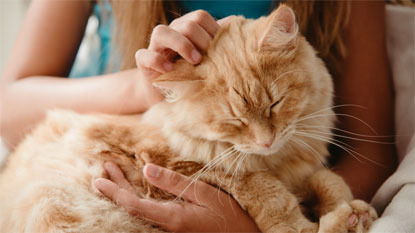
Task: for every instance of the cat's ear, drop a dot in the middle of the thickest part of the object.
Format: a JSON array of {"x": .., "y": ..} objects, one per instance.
[
  {"x": 175, "y": 90},
  {"x": 280, "y": 29}
]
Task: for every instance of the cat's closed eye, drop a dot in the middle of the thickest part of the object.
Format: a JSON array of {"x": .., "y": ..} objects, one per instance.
[
  {"x": 276, "y": 102},
  {"x": 272, "y": 106},
  {"x": 237, "y": 121}
]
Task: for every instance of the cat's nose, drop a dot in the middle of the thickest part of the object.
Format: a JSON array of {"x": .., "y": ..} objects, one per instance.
[{"x": 265, "y": 143}]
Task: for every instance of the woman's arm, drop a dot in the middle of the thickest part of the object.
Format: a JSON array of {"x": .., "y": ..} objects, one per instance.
[
  {"x": 44, "y": 52},
  {"x": 366, "y": 81},
  {"x": 25, "y": 101}
]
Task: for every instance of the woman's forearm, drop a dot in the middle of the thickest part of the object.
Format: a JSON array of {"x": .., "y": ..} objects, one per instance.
[
  {"x": 24, "y": 102},
  {"x": 367, "y": 85},
  {"x": 366, "y": 174}
]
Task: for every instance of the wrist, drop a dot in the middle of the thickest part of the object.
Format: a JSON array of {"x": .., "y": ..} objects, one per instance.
[{"x": 129, "y": 98}]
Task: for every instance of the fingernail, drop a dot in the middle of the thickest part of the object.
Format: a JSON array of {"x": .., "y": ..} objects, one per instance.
[
  {"x": 352, "y": 220},
  {"x": 196, "y": 56},
  {"x": 152, "y": 170},
  {"x": 99, "y": 182},
  {"x": 167, "y": 66}
]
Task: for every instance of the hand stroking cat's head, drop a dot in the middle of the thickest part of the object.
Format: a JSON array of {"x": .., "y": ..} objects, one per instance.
[{"x": 257, "y": 82}]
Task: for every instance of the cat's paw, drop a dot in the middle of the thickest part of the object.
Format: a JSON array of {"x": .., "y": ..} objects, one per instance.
[
  {"x": 356, "y": 216},
  {"x": 362, "y": 216}
]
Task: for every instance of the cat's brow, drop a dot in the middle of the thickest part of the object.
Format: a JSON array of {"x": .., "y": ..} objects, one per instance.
[{"x": 243, "y": 97}]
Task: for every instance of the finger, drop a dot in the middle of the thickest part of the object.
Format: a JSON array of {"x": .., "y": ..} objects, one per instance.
[
  {"x": 194, "y": 32},
  {"x": 163, "y": 214},
  {"x": 164, "y": 37},
  {"x": 180, "y": 185},
  {"x": 152, "y": 60},
  {"x": 203, "y": 18},
  {"x": 116, "y": 175},
  {"x": 222, "y": 22}
]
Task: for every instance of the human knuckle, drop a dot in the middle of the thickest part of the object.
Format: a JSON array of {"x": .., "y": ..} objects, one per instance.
[
  {"x": 156, "y": 60},
  {"x": 159, "y": 29},
  {"x": 185, "y": 47},
  {"x": 175, "y": 21},
  {"x": 200, "y": 15},
  {"x": 141, "y": 61},
  {"x": 140, "y": 53},
  {"x": 188, "y": 28}
]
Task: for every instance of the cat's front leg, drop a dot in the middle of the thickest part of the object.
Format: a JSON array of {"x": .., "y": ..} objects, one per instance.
[{"x": 269, "y": 203}]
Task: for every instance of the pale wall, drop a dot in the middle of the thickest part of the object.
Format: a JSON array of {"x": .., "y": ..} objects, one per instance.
[{"x": 11, "y": 16}]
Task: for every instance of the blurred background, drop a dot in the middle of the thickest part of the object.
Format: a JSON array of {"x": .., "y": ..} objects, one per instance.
[{"x": 11, "y": 16}]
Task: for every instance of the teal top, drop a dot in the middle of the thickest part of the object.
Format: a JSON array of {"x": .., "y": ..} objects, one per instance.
[
  {"x": 99, "y": 55},
  {"x": 221, "y": 9}
]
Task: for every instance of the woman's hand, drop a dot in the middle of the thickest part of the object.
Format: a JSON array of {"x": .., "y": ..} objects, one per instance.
[
  {"x": 206, "y": 209},
  {"x": 187, "y": 36}
]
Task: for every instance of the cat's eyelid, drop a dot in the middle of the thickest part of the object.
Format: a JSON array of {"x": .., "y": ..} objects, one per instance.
[
  {"x": 238, "y": 121},
  {"x": 244, "y": 120},
  {"x": 234, "y": 121},
  {"x": 277, "y": 102}
]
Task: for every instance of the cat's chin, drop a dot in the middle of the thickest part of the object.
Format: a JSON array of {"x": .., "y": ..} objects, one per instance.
[{"x": 259, "y": 151}]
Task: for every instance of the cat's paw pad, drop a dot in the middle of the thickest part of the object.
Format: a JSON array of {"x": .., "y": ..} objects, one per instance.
[
  {"x": 356, "y": 216},
  {"x": 362, "y": 216}
]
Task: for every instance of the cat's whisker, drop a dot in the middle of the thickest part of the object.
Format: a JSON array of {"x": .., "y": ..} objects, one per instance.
[
  {"x": 326, "y": 109},
  {"x": 345, "y": 131},
  {"x": 347, "y": 137},
  {"x": 328, "y": 138},
  {"x": 228, "y": 169},
  {"x": 333, "y": 107},
  {"x": 335, "y": 114},
  {"x": 218, "y": 186},
  {"x": 310, "y": 148},
  {"x": 215, "y": 160},
  {"x": 195, "y": 177},
  {"x": 345, "y": 148},
  {"x": 240, "y": 159},
  {"x": 348, "y": 150},
  {"x": 235, "y": 172},
  {"x": 212, "y": 163}
]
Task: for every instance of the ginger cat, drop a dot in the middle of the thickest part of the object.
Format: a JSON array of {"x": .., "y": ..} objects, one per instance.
[{"x": 249, "y": 119}]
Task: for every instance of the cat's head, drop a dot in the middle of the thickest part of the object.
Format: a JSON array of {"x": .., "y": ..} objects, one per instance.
[{"x": 256, "y": 83}]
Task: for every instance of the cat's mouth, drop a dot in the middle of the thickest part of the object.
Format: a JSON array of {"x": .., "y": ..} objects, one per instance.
[
  {"x": 277, "y": 144},
  {"x": 254, "y": 150}
]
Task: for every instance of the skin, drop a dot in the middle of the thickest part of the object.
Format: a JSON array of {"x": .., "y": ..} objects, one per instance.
[
  {"x": 55, "y": 29},
  {"x": 366, "y": 82},
  {"x": 212, "y": 212}
]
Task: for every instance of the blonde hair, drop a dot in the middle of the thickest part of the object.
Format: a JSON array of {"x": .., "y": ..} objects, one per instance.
[{"x": 320, "y": 21}]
